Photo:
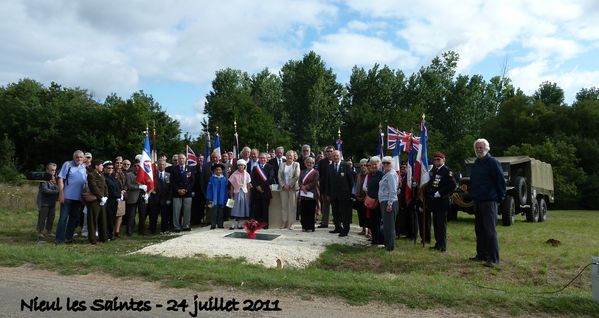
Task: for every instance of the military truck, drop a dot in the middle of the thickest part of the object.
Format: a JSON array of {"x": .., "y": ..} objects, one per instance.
[{"x": 529, "y": 190}]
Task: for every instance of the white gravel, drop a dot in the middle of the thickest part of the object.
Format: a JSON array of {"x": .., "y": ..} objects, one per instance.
[{"x": 292, "y": 248}]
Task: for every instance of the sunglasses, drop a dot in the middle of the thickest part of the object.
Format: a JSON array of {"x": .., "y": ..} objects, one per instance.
[
  {"x": 386, "y": 163},
  {"x": 437, "y": 159}
]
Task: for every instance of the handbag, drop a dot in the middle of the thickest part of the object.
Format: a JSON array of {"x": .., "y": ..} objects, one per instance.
[
  {"x": 87, "y": 196},
  {"x": 371, "y": 203}
]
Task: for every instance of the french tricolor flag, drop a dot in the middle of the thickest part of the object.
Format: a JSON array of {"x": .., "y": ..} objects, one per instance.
[{"x": 145, "y": 174}]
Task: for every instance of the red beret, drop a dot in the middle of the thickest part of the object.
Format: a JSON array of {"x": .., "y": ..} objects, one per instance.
[{"x": 439, "y": 155}]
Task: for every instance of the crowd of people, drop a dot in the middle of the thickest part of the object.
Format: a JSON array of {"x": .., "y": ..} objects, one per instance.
[{"x": 101, "y": 196}]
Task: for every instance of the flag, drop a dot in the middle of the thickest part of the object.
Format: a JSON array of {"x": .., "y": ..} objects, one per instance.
[
  {"x": 207, "y": 150},
  {"x": 393, "y": 135},
  {"x": 154, "y": 152},
  {"x": 422, "y": 157},
  {"x": 405, "y": 141},
  {"x": 192, "y": 159},
  {"x": 235, "y": 145},
  {"x": 412, "y": 173},
  {"x": 396, "y": 160},
  {"x": 339, "y": 142},
  {"x": 217, "y": 145},
  {"x": 145, "y": 174}
]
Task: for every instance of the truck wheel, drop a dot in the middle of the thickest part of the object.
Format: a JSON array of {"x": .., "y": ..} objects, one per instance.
[
  {"x": 452, "y": 214},
  {"x": 542, "y": 210},
  {"x": 532, "y": 214},
  {"x": 521, "y": 190},
  {"x": 508, "y": 211}
]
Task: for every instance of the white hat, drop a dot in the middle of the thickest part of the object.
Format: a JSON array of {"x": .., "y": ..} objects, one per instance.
[{"x": 241, "y": 162}]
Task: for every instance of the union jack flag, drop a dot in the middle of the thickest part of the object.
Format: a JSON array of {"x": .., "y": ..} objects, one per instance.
[
  {"x": 392, "y": 137},
  {"x": 407, "y": 141}
]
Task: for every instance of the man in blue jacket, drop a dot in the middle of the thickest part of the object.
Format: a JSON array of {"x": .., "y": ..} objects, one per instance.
[{"x": 487, "y": 189}]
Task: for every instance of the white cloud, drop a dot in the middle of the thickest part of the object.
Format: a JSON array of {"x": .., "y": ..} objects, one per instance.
[
  {"x": 530, "y": 76},
  {"x": 344, "y": 50}
]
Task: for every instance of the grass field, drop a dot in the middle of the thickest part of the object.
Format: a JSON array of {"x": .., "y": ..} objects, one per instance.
[{"x": 522, "y": 284}]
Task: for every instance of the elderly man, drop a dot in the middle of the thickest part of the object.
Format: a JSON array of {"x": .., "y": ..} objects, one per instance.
[
  {"x": 306, "y": 152},
  {"x": 487, "y": 189},
  {"x": 277, "y": 162},
  {"x": 438, "y": 190},
  {"x": 323, "y": 171},
  {"x": 71, "y": 178},
  {"x": 340, "y": 182},
  {"x": 182, "y": 181},
  {"x": 135, "y": 200}
]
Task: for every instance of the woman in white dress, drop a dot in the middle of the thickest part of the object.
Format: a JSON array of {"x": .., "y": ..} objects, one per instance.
[{"x": 288, "y": 176}]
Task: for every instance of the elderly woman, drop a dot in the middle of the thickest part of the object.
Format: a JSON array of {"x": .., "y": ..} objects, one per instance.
[
  {"x": 96, "y": 212},
  {"x": 360, "y": 194},
  {"x": 388, "y": 202},
  {"x": 308, "y": 184},
  {"x": 289, "y": 173},
  {"x": 240, "y": 192},
  {"x": 372, "y": 191},
  {"x": 46, "y": 201}
]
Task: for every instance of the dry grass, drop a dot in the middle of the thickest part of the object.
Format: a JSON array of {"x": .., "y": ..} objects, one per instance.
[{"x": 18, "y": 197}]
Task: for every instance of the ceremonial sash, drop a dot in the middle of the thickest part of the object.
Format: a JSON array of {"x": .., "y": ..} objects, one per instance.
[
  {"x": 311, "y": 172},
  {"x": 260, "y": 172}
]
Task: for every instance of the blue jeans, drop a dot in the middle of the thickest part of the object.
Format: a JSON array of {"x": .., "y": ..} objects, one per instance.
[{"x": 68, "y": 220}]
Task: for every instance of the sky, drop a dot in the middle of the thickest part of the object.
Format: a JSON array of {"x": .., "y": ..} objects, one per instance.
[{"x": 172, "y": 49}]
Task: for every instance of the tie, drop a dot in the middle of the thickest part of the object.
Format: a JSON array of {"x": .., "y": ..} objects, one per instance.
[
  {"x": 182, "y": 169},
  {"x": 336, "y": 167},
  {"x": 161, "y": 175}
]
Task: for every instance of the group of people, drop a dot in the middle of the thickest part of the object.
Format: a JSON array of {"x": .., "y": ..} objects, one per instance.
[{"x": 107, "y": 193}]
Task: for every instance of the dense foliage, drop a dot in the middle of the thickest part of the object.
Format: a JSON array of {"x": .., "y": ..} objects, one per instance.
[{"x": 304, "y": 103}]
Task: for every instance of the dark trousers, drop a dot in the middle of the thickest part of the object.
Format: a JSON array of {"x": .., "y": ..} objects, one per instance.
[
  {"x": 485, "y": 220},
  {"x": 261, "y": 208},
  {"x": 140, "y": 206},
  {"x": 111, "y": 207},
  {"x": 424, "y": 225},
  {"x": 216, "y": 216},
  {"x": 389, "y": 224},
  {"x": 45, "y": 218},
  {"x": 375, "y": 226},
  {"x": 154, "y": 210},
  {"x": 361, "y": 209},
  {"x": 166, "y": 217},
  {"x": 439, "y": 208},
  {"x": 96, "y": 220},
  {"x": 341, "y": 214},
  {"x": 307, "y": 211},
  {"x": 198, "y": 205}
]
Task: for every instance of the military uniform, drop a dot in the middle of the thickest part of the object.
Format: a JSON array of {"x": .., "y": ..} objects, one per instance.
[{"x": 442, "y": 181}]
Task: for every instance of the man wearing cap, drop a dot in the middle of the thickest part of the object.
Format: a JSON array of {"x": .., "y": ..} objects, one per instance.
[{"x": 438, "y": 190}]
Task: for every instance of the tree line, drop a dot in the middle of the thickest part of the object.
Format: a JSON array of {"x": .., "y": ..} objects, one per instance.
[{"x": 305, "y": 104}]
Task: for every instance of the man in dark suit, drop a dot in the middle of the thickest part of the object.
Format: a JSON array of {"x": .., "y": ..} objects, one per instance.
[
  {"x": 277, "y": 161},
  {"x": 159, "y": 199},
  {"x": 182, "y": 181},
  {"x": 339, "y": 187},
  {"x": 262, "y": 177},
  {"x": 323, "y": 171}
]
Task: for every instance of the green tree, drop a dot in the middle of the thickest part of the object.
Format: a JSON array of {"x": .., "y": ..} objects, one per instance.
[
  {"x": 567, "y": 174},
  {"x": 311, "y": 97}
]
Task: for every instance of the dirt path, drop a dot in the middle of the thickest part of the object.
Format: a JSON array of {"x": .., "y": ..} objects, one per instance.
[{"x": 26, "y": 283}]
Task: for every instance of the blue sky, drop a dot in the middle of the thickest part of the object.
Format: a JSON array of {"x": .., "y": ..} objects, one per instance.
[{"x": 171, "y": 49}]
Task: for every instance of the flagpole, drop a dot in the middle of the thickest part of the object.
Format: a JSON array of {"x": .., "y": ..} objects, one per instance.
[
  {"x": 236, "y": 145},
  {"x": 424, "y": 212}
]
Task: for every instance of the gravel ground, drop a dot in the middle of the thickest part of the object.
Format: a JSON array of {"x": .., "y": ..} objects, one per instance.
[
  {"x": 26, "y": 283},
  {"x": 292, "y": 248}
]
